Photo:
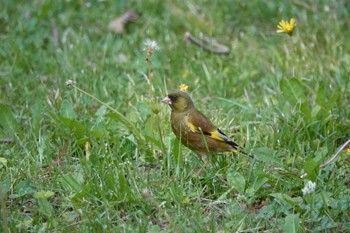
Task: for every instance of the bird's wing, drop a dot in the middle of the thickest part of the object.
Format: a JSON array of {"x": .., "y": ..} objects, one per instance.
[{"x": 198, "y": 123}]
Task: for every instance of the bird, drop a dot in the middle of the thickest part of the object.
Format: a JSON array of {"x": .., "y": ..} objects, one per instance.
[{"x": 194, "y": 130}]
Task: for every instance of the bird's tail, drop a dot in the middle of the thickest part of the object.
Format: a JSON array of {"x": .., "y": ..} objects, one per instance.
[
  {"x": 239, "y": 150},
  {"x": 235, "y": 147}
]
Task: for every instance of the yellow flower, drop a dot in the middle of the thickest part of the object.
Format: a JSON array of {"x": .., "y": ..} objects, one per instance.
[
  {"x": 347, "y": 151},
  {"x": 287, "y": 27},
  {"x": 183, "y": 87}
]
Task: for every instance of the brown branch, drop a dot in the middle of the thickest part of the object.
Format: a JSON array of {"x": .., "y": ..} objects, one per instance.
[
  {"x": 118, "y": 24},
  {"x": 344, "y": 146},
  {"x": 209, "y": 45},
  {"x": 311, "y": 7},
  {"x": 54, "y": 34},
  {"x": 6, "y": 140}
]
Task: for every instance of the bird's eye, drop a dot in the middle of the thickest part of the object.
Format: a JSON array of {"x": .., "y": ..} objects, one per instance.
[{"x": 173, "y": 98}]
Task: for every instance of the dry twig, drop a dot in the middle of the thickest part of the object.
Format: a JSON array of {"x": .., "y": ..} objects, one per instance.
[
  {"x": 209, "y": 45},
  {"x": 118, "y": 24},
  {"x": 344, "y": 146},
  {"x": 6, "y": 140}
]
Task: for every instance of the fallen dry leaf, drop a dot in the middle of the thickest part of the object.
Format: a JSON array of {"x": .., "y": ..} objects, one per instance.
[{"x": 118, "y": 24}]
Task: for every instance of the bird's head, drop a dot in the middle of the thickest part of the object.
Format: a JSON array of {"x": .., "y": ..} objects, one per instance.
[{"x": 179, "y": 101}]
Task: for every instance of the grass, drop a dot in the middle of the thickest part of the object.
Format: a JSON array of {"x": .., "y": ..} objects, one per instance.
[{"x": 77, "y": 165}]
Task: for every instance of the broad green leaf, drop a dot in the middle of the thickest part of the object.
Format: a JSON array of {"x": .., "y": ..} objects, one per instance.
[
  {"x": 176, "y": 152},
  {"x": 8, "y": 120},
  {"x": 346, "y": 227},
  {"x": 76, "y": 127},
  {"x": 43, "y": 194},
  {"x": 267, "y": 212},
  {"x": 71, "y": 182},
  {"x": 236, "y": 180},
  {"x": 26, "y": 222},
  {"x": 326, "y": 196},
  {"x": 292, "y": 90},
  {"x": 151, "y": 138},
  {"x": 5, "y": 186},
  {"x": 325, "y": 98},
  {"x": 124, "y": 188},
  {"x": 305, "y": 109},
  {"x": 101, "y": 111},
  {"x": 256, "y": 186},
  {"x": 36, "y": 115},
  {"x": 311, "y": 167},
  {"x": 141, "y": 142},
  {"x": 144, "y": 109},
  {"x": 22, "y": 188},
  {"x": 285, "y": 198},
  {"x": 292, "y": 224},
  {"x": 100, "y": 133},
  {"x": 315, "y": 110},
  {"x": 266, "y": 155},
  {"x": 154, "y": 229},
  {"x": 321, "y": 154},
  {"x": 321, "y": 96},
  {"x": 3, "y": 162},
  {"x": 332, "y": 100},
  {"x": 70, "y": 216},
  {"x": 45, "y": 207},
  {"x": 67, "y": 110}
]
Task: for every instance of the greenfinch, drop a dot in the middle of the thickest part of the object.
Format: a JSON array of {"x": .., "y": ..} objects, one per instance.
[{"x": 194, "y": 129}]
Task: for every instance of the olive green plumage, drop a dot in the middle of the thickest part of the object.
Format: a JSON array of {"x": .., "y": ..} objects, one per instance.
[{"x": 194, "y": 129}]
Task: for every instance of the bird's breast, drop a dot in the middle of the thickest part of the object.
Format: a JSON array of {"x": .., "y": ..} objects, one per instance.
[{"x": 178, "y": 124}]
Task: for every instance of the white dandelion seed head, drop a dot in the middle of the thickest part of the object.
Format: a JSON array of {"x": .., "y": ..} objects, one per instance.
[
  {"x": 151, "y": 46},
  {"x": 69, "y": 82}
]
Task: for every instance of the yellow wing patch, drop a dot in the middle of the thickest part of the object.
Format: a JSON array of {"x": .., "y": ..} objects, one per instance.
[
  {"x": 217, "y": 135},
  {"x": 193, "y": 128},
  {"x": 214, "y": 134}
]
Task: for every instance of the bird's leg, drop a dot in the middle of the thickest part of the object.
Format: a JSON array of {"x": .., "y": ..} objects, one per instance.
[{"x": 204, "y": 158}]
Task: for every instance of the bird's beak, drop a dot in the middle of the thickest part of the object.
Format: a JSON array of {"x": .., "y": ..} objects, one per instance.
[{"x": 166, "y": 100}]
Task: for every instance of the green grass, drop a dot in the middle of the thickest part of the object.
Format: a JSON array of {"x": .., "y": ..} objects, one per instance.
[{"x": 285, "y": 99}]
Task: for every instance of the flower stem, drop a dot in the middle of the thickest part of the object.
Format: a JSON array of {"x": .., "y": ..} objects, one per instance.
[{"x": 148, "y": 59}]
